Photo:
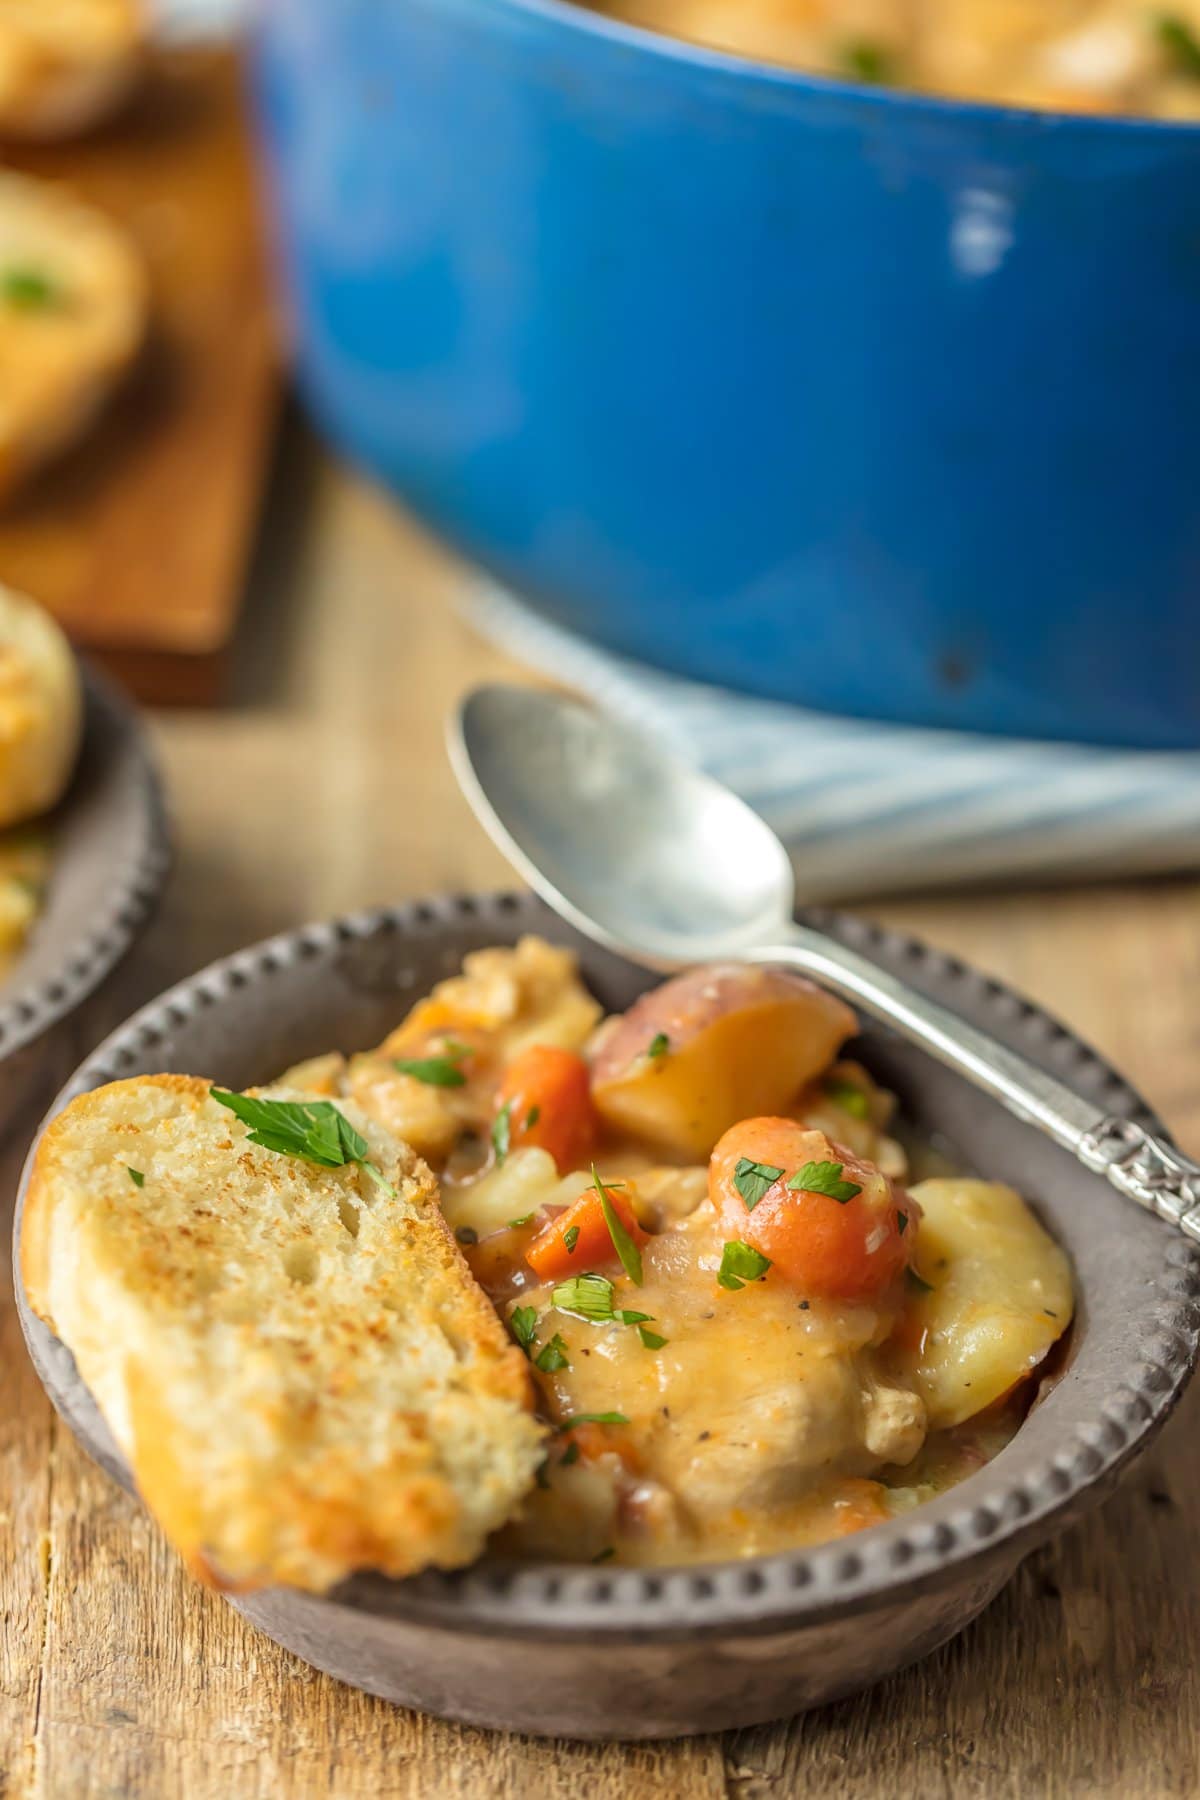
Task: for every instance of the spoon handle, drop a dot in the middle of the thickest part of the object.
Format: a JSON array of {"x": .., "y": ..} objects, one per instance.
[{"x": 1139, "y": 1165}]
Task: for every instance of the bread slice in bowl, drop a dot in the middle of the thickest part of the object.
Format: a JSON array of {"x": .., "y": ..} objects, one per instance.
[{"x": 297, "y": 1363}]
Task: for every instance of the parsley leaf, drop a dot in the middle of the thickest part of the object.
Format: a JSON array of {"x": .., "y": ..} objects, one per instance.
[
  {"x": 848, "y": 1096},
  {"x": 532, "y": 1117},
  {"x": 571, "y": 1238},
  {"x": 650, "y": 1339},
  {"x": 658, "y": 1046},
  {"x": 502, "y": 1131},
  {"x": 136, "y": 1176},
  {"x": 824, "y": 1178},
  {"x": 522, "y": 1322},
  {"x": 752, "y": 1179},
  {"x": 27, "y": 289},
  {"x": 869, "y": 61},
  {"x": 608, "y": 1418},
  {"x": 445, "y": 1070},
  {"x": 587, "y": 1296},
  {"x": 1180, "y": 42},
  {"x": 524, "y": 1219},
  {"x": 741, "y": 1263},
  {"x": 570, "y": 1455},
  {"x": 623, "y": 1244},
  {"x": 314, "y": 1130},
  {"x": 552, "y": 1356}
]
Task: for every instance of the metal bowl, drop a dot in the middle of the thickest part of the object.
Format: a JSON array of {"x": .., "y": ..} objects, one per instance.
[
  {"x": 110, "y": 856},
  {"x": 633, "y": 1653},
  {"x": 850, "y": 397}
]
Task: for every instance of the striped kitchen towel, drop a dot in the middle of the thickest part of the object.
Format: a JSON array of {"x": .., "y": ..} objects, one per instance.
[{"x": 872, "y": 808}]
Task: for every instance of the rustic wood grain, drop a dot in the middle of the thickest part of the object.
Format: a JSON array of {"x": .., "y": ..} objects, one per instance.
[
  {"x": 325, "y": 787},
  {"x": 137, "y": 541}
]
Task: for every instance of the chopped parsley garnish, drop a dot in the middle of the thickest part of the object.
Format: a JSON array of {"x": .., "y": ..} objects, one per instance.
[
  {"x": 917, "y": 1282},
  {"x": 552, "y": 1356},
  {"x": 848, "y": 1096},
  {"x": 824, "y": 1178},
  {"x": 608, "y": 1418},
  {"x": 571, "y": 1238},
  {"x": 623, "y": 1244},
  {"x": 532, "y": 1117},
  {"x": 502, "y": 1131},
  {"x": 570, "y": 1455},
  {"x": 314, "y": 1130},
  {"x": 587, "y": 1296},
  {"x": 27, "y": 289},
  {"x": 752, "y": 1179},
  {"x": 741, "y": 1263},
  {"x": 515, "y": 1224},
  {"x": 136, "y": 1176},
  {"x": 868, "y": 61},
  {"x": 901, "y": 1223},
  {"x": 445, "y": 1070},
  {"x": 1180, "y": 42},
  {"x": 522, "y": 1322},
  {"x": 658, "y": 1046},
  {"x": 650, "y": 1339}
]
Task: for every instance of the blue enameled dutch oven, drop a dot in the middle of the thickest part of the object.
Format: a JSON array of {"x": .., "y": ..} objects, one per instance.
[{"x": 850, "y": 397}]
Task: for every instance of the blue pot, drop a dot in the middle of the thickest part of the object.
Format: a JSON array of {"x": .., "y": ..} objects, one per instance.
[{"x": 848, "y": 397}]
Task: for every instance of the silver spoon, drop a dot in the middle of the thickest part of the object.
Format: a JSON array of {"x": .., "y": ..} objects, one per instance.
[{"x": 652, "y": 859}]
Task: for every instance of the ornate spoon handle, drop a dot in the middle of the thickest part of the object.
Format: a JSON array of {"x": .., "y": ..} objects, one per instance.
[{"x": 1138, "y": 1165}]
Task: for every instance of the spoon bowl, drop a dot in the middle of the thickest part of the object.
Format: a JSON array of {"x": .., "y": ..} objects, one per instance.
[{"x": 633, "y": 846}]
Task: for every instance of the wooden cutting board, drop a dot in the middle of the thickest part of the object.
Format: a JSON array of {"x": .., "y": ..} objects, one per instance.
[{"x": 138, "y": 540}]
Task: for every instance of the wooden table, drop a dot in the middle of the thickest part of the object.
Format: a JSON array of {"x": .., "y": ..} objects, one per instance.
[{"x": 324, "y": 787}]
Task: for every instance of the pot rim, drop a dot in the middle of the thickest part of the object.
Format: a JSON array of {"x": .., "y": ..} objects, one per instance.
[{"x": 579, "y": 20}]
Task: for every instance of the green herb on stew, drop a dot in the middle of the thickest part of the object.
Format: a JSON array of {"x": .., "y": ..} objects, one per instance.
[
  {"x": 27, "y": 289},
  {"x": 1180, "y": 42},
  {"x": 136, "y": 1176},
  {"x": 588, "y": 1296},
  {"x": 571, "y": 1238},
  {"x": 650, "y": 1339},
  {"x": 570, "y": 1455},
  {"x": 436, "y": 1071},
  {"x": 608, "y": 1418},
  {"x": 741, "y": 1263},
  {"x": 552, "y": 1356},
  {"x": 824, "y": 1178},
  {"x": 869, "y": 61},
  {"x": 515, "y": 1224},
  {"x": 623, "y": 1244},
  {"x": 532, "y": 1117},
  {"x": 502, "y": 1131},
  {"x": 659, "y": 1045},
  {"x": 752, "y": 1179},
  {"x": 314, "y": 1130},
  {"x": 850, "y": 1098},
  {"x": 522, "y": 1322}
]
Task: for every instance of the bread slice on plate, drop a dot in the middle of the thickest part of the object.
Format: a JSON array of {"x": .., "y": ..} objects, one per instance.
[
  {"x": 67, "y": 64},
  {"x": 41, "y": 710},
  {"x": 297, "y": 1363},
  {"x": 73, "y": 312}
]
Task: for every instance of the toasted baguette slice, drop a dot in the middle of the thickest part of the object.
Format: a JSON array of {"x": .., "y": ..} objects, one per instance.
[
  {"x": 302, "y": 1372},
  {"x": 73, "y": 312},
  {"x": 66, "y": 64},
  {"x": 41, "y": 710}
]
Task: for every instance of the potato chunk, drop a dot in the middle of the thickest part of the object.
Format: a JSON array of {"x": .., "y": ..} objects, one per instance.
[
  {"x": 719, "y": 1044},
  {"x": 1001, "y": 1295}
]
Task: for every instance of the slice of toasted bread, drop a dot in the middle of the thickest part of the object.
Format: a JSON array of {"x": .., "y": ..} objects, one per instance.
[
  {"x": 73, "y": 310},
  {"x": 41, "y": 710},
  {"x": 66, "y": 64},
  {"x": 302, "y": 1372}
]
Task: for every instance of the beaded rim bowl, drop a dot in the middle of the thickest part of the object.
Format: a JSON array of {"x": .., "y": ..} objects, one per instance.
[
  {"x": 109, "y": 860},
  {"x": 919, "y": 1577}
]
